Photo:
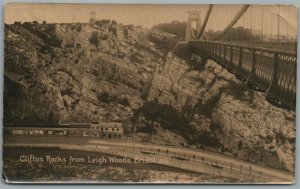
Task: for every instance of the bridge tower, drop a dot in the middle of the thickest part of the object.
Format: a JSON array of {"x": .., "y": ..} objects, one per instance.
[{"x": 190, "y": 32}]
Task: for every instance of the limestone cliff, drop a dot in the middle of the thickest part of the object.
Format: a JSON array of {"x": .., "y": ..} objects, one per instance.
[
  {"x": 62, "y": 72},
  {"x": 76, "y": 80}
]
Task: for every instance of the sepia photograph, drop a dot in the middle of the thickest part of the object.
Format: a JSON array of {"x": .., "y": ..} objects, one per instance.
[{"x": 149, "y": 93}]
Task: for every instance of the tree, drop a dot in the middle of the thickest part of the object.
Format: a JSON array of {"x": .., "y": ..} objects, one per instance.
[
  {"x": 125, "y": 32},
  {"x": 175, "y": 27},
  {"x": 235, "y": 34},
  {"x": 94, "y": 39},
  {"x": 113, "y": 29},
  {"x": 113, "y": 22}
]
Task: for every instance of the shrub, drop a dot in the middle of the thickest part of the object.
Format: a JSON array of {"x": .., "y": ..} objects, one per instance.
[
  {"x": 130, "y": 26},
  {"x": 104, "y": 97},
  {"x": 94, "y": 39},
  {"x": 113, "y": 29},
  {"x": 175, "y": 27},
  {"x": 125, "y": 32},
  {"x": 48, "y": 36},
  {"x": 166, "y": 115},
  {"x": 79, "y": 28},
  {"x": 104, "y": 36},
  {"x": 124, "y": 102}
]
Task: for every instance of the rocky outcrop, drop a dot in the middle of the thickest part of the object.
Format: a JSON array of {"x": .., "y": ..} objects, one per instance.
[
  {"x": 178, "y": 84},
  {"x": 121, "y": 74},
  {"x": 81, "y": 81},
  {"x": 256, "y": 131},
  {"x": 223, "y": 109}
]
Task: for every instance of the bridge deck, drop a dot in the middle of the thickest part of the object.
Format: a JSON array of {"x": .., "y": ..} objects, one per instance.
[{"x": 269, "y": 70}]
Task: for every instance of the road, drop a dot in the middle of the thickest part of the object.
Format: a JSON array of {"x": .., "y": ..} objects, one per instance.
[{"x": 184, "y": 158}]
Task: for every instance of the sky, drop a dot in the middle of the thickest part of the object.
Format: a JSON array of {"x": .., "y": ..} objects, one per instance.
[
  {"x": 149, "y": 15},
  {"x": 146, "y": 15}
]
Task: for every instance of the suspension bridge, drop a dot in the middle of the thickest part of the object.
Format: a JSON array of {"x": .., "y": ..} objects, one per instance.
[{"x": 256, "y": 43}]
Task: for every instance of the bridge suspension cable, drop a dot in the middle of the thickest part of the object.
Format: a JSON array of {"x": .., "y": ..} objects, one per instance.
[
  {"x": 248, "y": 24},
  {"x": 236, "y": 18},
  {"x": 205, "y": 21},
  {"x": 262, "y": 22}
]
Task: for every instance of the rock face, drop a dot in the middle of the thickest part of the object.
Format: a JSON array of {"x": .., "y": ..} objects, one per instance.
[
  {"x": 256, "y": 131},
  {"x": 176, "y": 83},
  {"x": 77, "y": 72},
  {"x": 82, "y": 81},
  {"x": 240, "y": 119}
]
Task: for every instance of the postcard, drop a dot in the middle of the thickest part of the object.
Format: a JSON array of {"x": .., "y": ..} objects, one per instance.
[{"x": 145, "y": 93}]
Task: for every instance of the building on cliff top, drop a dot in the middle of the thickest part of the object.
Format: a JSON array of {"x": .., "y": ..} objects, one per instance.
[{"x": 98, "y": 22}]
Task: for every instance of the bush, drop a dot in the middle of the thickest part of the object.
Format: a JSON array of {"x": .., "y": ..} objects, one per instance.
[
  {"x": 79, "y": 28},
  {"x": 95, "y": 73},
  {"x": 124, "y": 102},
  {"x": 130, "y": 26},
  {"x": 125, "y": 32},
  {"x": 166, "y": 115},
  {"x": 113, "y": 29},
  {"x": 235, "y": 34},
  {"x": 104, "y": 97},
  {"x": 104, "y": 36},
  {"x": 94, "y": 39},
  {"x": 48, "y": 36},
  {"x": 175, "y": 27}
]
